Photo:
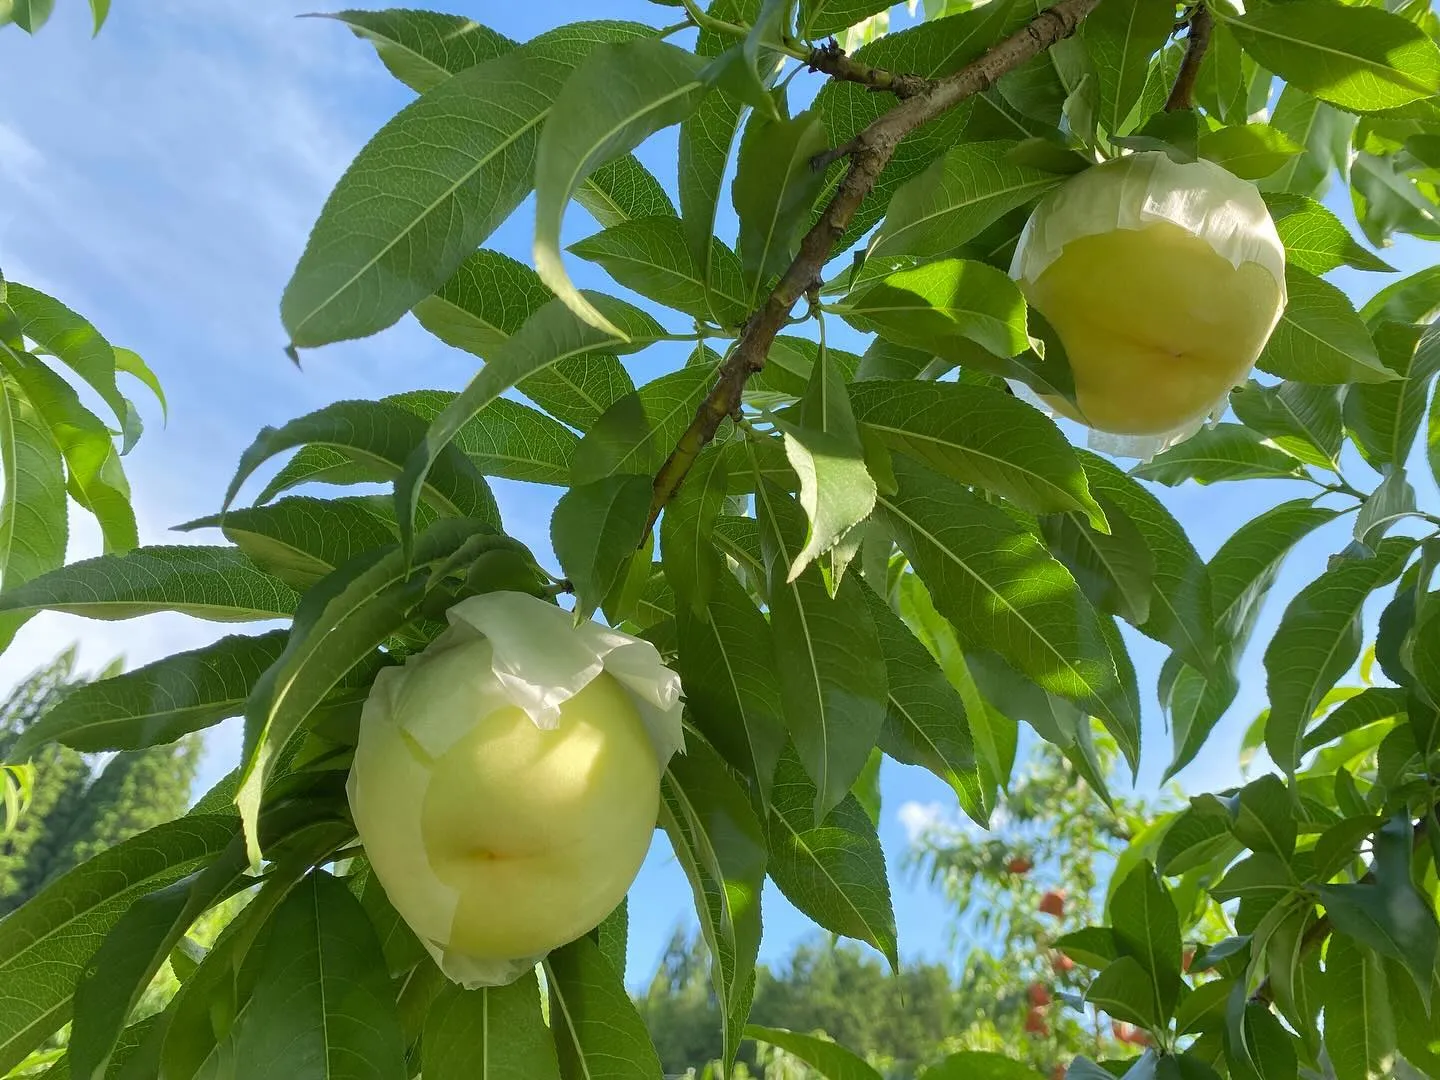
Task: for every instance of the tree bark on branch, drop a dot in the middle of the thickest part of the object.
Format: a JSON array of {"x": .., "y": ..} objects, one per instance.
[
  {"x": 1182, "y": 94},
  {"x": 869, "y": 152}
]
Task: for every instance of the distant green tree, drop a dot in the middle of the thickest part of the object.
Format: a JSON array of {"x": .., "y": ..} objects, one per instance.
[{"x": 76, "y": 811}]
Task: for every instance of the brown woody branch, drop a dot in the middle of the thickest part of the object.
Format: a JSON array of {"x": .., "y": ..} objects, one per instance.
[
  {"x": 831, "y": 60},
  {"x": 869, "y": 153},
  {"x": 1182, "y": 94}
]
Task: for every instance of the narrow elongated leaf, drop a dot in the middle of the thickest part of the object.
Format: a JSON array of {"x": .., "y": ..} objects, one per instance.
[
  {"x": 1320, "y": 339},
  {"x": 1000, "y": 588},
  {"x": 430, "y": 187},
  {"x": 774, "y": 186},
  {"x": 1315, "y": 239},
  {"x": 493, "y": 1033},
  {"x": 1180, "y": 604},
  {"x": 957, "y": 197},
  {"x": 71, "y": 339},
  {"x": 732, "y": 686},
  {"x": 1222, "y": 452},
  {"x": 424, "y": 48},
  {"x": 652, "y": 257},
  {"x": 215, "y": 583},
  {"x": 551, "y": 335},
  {"x": 1249, "y": 151},
  {"x": 1196, "y": 703},
  {"x": 1300, "y": 418},
  {"x": 45, "y": 945},
  {"x": 595, "y": 530},
  {"x": 1116, "y": 570},
  {"x": 1413, "y": 299},
  {"x": 300, "y": 539},
  {"x": 830, "y": 867},
  {"x": 1317, "y": 641},
  {"x": 979, "y": 436},
  {"x": 1120, "y": 38},
  {"x": 721, "y": 845},
  {"x": 1384, "y": 418},
  {"x": 598, "y": 1033},
  {"x": 821, "y": 18},
  {"x": 1244, "y": 568},
  {"x": 34, "y": 521},
  {"x": 1362, "y": 59},
  {"x": 322, "y": 1006},
  {"x": 160, "y": 702},
  {"x": 619, "y": 95},
  {"x": 1359, "y": 1027},
  {"x": 505, "y": 438},
  {"x": 1323, "y": 130},
  {"x": 636, "y": 434},
  {"x": 925, "y": 722},
  {"x": 832, "y": 676},
  {"x": 944, "y": 305},
  {"x": 831, "y": 1060},
  {"x": 381, "y": 436},
  {"x": 1147, "y": 927},
  {"x": 486, "y": 299}
]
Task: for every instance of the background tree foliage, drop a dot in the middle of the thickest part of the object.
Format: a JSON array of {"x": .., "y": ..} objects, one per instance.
[{"x": 854, "y": 552}]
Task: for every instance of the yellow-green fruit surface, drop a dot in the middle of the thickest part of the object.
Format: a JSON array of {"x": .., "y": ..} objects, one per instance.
[
  {"x": 530, "y": 837},
  {"x": 1156, "y": 325}
]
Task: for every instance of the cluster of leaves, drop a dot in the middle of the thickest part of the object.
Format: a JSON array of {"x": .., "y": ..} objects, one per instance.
[
  {"x": 31, "y": 15},
  {"x": 866, "y": 558}
]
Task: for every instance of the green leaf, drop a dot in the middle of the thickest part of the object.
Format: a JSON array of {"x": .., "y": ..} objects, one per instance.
[
  {"x": 692, "y": 562},
  {"x": 598, "y": 1033},
  {"x": 1302, "y": 419},
  {"x": 322, "y": 1006},
  {"x": 1147, "y": 927},
  {"x": 1218, "y": 453},
  {"x": 1115, "y": 569},
  {"x": 215, "y": 583},
  {"x": 1387, "y": 201},
  {"x": 423, "y": 48},
  {"x": 158, "y": 703},
  {"x": 996, "y": 583},
  {"x": 1323, "y": 130},
  {"x": 822, "y": 444},
  {"x": 431, "y": 185},
  {"x": 95, "y": 478},
  {"x": 1196, "y": 836},
  {"x": 1413, "y": 299},
  {"x": 832, "y": 676},
  {"x": 486, "y": 299},
  {"x": 1359, "y": 1028},
  {"x": 652, "y": 257},
  {"x": 552, "y": 334},
  {"x": 338, "y": 624},
  {"x": 301, "y": 539},
  {"x": 943, "y": 305},
  {"x": 381, "y": 436},
  {"x": 617, "y": 97},
  {"x": 1196, "y": 703},
  {"x": 1361, "y": 59},
  {"x": 933, "y": 49},
  {"x": 1384, "y": 418},
  {"x": 34, "y": 523},
  {"x": 774, "y": 186},
  {"x": 1317, "y": 641},
  {"x": 636, "y": 434},
  {"x": 1249, "y": 151},
  {"x": 505, "y": 438},
  {"x": 72, "y": 340},
  {"x": 1320, "y": 338},
  {"x": 595, "y": 529},
  {"x": 46, "y": 944},
  {"x": 831, "y": 1060},
  {"x": 1245, "y": 567},
  {"x": 732, "y": 687},
  {"x": 980, "y": 1065},
  {"x": 1126, "y": 991},
  {"x": 957, "y": 197},
  {"x": 1180, "y": 604},
  {"x": 1315, "y": 239},
  {"x": 832, "y": 867},
  {"x": 925, "y": 721},
  {"x": 981, "y": 437},
  {"x": 492, "y": 1033},
  {"x": 822, "y": 18},
  {"x": 720, "y": 843},
  {"x": 1392, "y": 501},
  {"x": 1120, "y": 38},
  {"x": 1371, "y": 705}
]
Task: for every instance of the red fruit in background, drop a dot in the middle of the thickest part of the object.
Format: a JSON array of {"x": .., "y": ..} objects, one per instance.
[
  {"x": 1129, "y": 1033},
  {"x": 1035, "y": 1022},
  {"x": 1058, "y": 1072},
  {"x": 1019, "y": 865},
  {"x": 1062, "y": 964},
  {"x": 1053, "y": 903},
  {"x": 1186, "y": 960},
  {"x": 1038, "y": 994}
]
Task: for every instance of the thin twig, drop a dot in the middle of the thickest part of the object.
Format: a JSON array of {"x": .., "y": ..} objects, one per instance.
[
  {"x": 873, "y": 149},
  {"x": 831, "y": 60},
  {"x": 1182, "y": 94}
]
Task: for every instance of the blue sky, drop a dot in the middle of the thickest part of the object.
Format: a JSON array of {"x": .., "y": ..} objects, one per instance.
[{"x": 161, "y": 179}]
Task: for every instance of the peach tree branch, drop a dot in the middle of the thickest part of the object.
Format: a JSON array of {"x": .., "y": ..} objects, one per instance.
[{"x": 1182, "y": 94}]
